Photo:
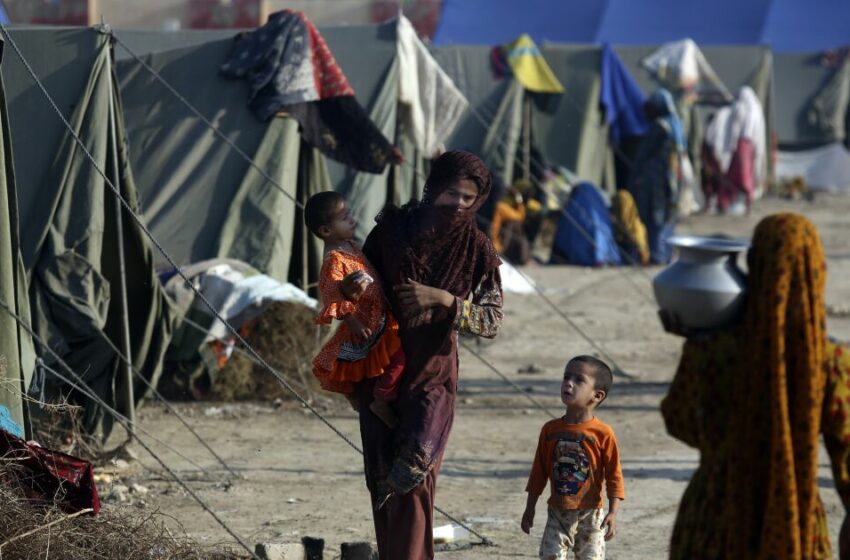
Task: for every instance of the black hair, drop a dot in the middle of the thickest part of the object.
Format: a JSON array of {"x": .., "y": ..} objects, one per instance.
[
  {"x": 603, "y": 377},
  {"x": 320, "y": 209}
]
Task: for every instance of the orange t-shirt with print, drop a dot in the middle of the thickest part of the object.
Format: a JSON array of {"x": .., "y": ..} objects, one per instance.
[{"x": 577, "y": 460}]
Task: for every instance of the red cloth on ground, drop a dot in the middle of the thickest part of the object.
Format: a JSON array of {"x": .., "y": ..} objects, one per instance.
[{"x": 52, "y": 474}]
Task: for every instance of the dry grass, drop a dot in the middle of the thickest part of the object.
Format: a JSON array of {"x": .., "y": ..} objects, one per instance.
[
  {"x": 36, "y": 528},
  {"x": 285, "y": 336},
  {"x": 59, "y": 426}
]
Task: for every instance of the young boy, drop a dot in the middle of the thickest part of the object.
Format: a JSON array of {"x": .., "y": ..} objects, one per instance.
[{"x": 577, "y": 453}]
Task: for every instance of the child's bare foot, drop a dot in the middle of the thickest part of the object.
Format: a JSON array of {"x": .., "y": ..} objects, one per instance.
[{"x": 382, "y": 410}]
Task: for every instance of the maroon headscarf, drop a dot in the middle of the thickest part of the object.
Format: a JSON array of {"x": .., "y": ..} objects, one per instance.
[{"x": 442, "y": 247}]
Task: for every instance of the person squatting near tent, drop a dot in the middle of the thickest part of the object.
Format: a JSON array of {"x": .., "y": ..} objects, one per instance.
[
  {"x": 629, "y": 231},
  {"x": 367, "y": 344},
  {"x": 440, "y": 274},
  {"x": 756, "y": 410},
  {"x": 506, "y": 229},
  {"x": 577, "y": 454}
]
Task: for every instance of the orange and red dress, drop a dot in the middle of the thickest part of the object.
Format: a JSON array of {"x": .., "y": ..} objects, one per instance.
[{"x": 342, "y": 362}]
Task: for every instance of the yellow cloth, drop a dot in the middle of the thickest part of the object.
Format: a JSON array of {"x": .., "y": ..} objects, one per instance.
[
  {"x": 836, "y": 417},
  {"x": 751, "y": 398},
  {"x": 782, "y": 385},
  {"x": 529, "y": 66},
  {"x": 629, "y": 230},
  {"x": 505, "y": 211}
]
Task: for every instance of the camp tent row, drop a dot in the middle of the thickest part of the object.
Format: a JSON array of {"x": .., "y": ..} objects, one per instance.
[
  {"x": 68, "y": 219},
  {"x": 201, "y": 199}
]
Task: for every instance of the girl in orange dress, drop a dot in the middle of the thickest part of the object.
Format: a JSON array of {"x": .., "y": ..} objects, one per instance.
[{"x": 367, "y": 343}]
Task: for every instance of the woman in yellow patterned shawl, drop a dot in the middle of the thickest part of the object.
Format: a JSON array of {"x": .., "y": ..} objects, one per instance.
[
  {"x": 629, "y": 231},
  {"x": 754, "y": 399}
]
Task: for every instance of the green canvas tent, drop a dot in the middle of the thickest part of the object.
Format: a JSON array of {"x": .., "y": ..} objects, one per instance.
[
  {"x": 204, "y": 200},
  {"x": 573, "y": 134},
  {"x": 17, "y": 358},
  {"x": 492, "y": 125},
  {"x": 71, "y": 224},
  {"x": 811, "y": 101}
]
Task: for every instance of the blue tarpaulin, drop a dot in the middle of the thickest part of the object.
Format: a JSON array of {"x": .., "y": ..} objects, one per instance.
[
  {"x": 784, "y": 25},
  {"x": 654, "y": 22},
  {"x": 807, "y": 25},
  {"x": 621, "y": 98},
  {"x": 494, "y": 22}
]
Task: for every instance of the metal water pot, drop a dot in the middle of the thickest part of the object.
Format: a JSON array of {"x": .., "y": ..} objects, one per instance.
[{"x": 704, "y": 286}]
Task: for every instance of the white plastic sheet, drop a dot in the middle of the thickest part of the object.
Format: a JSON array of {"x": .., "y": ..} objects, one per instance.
[{"x": 825, "y": 169}]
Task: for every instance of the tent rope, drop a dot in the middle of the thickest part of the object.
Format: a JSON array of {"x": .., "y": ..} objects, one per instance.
[
  {"x": 173, "y": 410},
  {"x": 281, "y": 379},
  {"x": 210, "y": 125},
  {"x": 507, "y": 380},
  {"x": 81, "y": 386}
]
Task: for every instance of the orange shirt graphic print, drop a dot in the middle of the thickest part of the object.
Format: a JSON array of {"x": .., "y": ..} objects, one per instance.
[{"x": 571, "y": 468}]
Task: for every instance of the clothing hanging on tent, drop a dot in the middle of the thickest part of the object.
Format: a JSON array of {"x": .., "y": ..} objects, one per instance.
[
  {"x": 682, "y": 65},
  {"x": 621, "y": 98},
  {"x": 433, "y": 103},
  {"x": 523, "y": 60},
  {"x": 290, "y": 69}
]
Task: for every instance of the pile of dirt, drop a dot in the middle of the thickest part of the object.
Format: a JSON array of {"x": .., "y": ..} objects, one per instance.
[
  {"x": 32, "y": 527},
  {"x": 286, "y": 336}
]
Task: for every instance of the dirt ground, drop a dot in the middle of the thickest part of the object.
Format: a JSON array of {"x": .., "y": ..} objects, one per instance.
[{"x": 298, "y": 478}]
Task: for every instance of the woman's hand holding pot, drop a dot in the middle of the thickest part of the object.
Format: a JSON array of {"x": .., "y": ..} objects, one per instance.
[{"x": 673, "y": 324}]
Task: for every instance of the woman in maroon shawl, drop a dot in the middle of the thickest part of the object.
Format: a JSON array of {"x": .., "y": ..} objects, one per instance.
[{"x": 441, "y": 276}]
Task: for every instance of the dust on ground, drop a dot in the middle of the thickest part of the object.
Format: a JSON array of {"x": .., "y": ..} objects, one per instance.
[{"x": 298, "y": 478}]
